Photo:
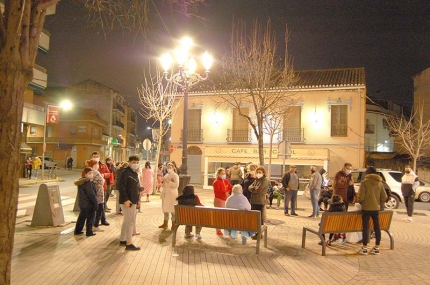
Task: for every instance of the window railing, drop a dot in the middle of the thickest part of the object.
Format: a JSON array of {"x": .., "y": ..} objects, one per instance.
[
  {"x": 118, "y": 123},
  {"x": 238, "y": 135},
  {"x": 193, "y": 135},
  {"x": 370, "y": 129},
  {"x": 119, "y": 108},
  {"x": 292, "y": 135}
]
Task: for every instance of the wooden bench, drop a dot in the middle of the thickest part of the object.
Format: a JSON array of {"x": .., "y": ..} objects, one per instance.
[
  {"x": 346, "y": 222},
  {"x": 220, "y": 218}
]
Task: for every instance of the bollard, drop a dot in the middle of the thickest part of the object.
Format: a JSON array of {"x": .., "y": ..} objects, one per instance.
[{"x": 49, "y": 209}]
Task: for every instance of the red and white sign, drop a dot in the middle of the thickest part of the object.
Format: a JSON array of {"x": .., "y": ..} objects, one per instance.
[
  {"x": 52, "y": 114},
  {"x": 171, "y": 148}
]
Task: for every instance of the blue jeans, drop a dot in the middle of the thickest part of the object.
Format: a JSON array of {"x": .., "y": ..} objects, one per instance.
[
  {"x": 290, "y": 196},
  {"x": 314, "y": 200}
]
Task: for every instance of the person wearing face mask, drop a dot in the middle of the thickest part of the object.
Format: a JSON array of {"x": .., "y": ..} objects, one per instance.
[
  {"x": 315, "y": 188},
  {"x": 342, "y": 180},
  {"x": 222, "y": 189},
  {"x": 106, "y": 174},
  {"x": 87, "y": 203},
  {"x": 170, "y": 184},
  {"x": 258, "y": 190},
  {"x": 410, "y": 183},
  {"x": 248, "y": 180},
  {"x": 129, "y": 188}
]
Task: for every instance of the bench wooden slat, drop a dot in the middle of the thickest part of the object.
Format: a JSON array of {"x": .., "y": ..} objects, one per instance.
[
  {"x": 343, "y": 222},
  {"x": 221, "y": 218}
]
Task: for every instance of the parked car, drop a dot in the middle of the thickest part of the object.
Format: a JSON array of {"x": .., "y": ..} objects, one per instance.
[
  {"x": 49, "y": 162},
  {"x": 393, "y": 179},
  {"x": 423, "y": 192}
]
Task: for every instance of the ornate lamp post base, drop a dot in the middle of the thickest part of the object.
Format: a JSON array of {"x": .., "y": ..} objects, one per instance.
[{"x": 184, "y": 180}]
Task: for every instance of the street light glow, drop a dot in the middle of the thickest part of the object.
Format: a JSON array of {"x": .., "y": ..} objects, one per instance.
[
  {"x": 207, "y": 61},
  {"x": 192, "y": 65},
  {"x": 187, "y": 43},
  {"x": 66, "y": 105},
  {"x": 166, "y": 61}
]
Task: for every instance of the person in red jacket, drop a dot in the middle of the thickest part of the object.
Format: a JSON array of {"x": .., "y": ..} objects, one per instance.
[{"x": 222, "y": 189}]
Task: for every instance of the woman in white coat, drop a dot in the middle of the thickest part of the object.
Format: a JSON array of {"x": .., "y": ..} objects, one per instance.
[{"x": 170, "y": 193}]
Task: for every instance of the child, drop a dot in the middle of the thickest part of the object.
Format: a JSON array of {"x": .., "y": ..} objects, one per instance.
[
  {"x": 189, "y": 198},
  {"x": 277, "y": 194},
  {"x": 337, "y": 205},
  {"x": 87, "y": 196},
  {"x": 324, "y": 197},
  {"x": 238, "y": 201}
]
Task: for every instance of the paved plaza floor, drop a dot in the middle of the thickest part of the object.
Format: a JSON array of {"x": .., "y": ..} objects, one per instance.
[{"x": 54, "y": 255}]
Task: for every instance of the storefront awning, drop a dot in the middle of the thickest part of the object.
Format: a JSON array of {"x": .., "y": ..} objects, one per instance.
[{"x": 25, "y": 147}]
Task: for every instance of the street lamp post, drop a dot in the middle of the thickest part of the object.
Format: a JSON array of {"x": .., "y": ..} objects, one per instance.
[
  {"x": 65, "y": 105},
  {"x": 185, "y": 78}
]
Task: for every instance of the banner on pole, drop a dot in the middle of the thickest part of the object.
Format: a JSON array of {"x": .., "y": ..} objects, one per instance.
[{"x": 52, "y": 115}]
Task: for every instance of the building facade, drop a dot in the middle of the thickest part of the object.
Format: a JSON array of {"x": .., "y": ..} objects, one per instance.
[{"x": 326, "y": 128}]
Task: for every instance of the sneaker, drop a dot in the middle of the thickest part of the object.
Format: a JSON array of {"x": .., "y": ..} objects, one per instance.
[
  {"x": 91, "y": 234},
  {"x": 188, "y": 236},
  {"x": 343, "y": 240},
  {"x": 131, "y": 247},
  {"x": 198, "y": 236},
  {"x": 122, "y": 242},
  {"x": 374, "y": 250},
  {"x": 294, "y": 214},
  {"x": 219, "y": 233},
  {"x": 136, "y": 234},
  {"x": 409, "y": 219},
  {"x": 277, "y": 208},
  {"x": 286, "y": 214},
  {"x": 311, "y": 216},
  {"x": 363, "y": 251},
  {"x": 105, "y": 224},
  {"x": 96, "y": 229},
  {"x": 78, "y": 233}
]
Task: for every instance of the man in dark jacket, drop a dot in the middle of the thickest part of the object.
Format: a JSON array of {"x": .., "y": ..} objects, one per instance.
[
  {"x": 129, "y": 187},
  {"x": 87, "y": 196},
  {"x": 290, "y": 182}
]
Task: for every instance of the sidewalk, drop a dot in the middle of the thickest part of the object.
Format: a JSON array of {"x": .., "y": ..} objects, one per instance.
[{"x": 55, "y": 256}]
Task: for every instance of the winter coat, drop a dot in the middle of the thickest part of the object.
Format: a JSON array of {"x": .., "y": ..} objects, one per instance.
[
  {"x": 316, "y": 181},
  {"x": 410, "y": 183},
  {"x": 337, "y": 207},
  {"x": 87, "y": 194},
  {"x": 235, "y": 173},
  {"x": 190, "y": 200},
  {"x": 146, "y": 180},
  {"x": 222, "y": 188},
  {"x": 105, "y": 173},
  {"x": 99, "y": 181},
  {"x": 247, "y": 181},
  {"x": 238, "y": 201},
  {"x": 129, "y": 186},
  {"x": 258, "y": 190},
  {"x": 36, "y": 163},
  {"x": 371, "y": 194},
  {"x": 340, "y": 186},
  {"x": 170, "y": 192}
]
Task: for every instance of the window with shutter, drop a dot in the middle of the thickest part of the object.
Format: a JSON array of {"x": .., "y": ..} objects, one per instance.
[
  {"x": 240, "y": 132},
  {"x": 339, "y": 120},
  {"x": 292, "y": 123}
]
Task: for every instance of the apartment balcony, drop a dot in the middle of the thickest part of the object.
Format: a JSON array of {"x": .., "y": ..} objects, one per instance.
[
  {"x": 44, "y": 41},
  {"x": 40, "y": 78},
  {"x": 370, "y": 129},
  {"x": 120, "y": 141},
  {"x": 67, "y": 140},
  {"x": 119, "y": 109},
  {"x": 238, "y": 135},
  {"x": 193, "y": 135},
  {"x": 118, "y": 124},
  {"x": 292, "y": 135},
  {"x": 131, "y": 144},
  {"x": 133, "y": 132}
]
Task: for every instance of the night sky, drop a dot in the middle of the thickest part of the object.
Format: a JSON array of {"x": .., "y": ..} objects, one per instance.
[{"x": 391, "y": 39}]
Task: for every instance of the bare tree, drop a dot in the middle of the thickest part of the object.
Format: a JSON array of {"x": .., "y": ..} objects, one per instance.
[
  {"x": 412, "y": 134},
  {"x": 21, "y": 23},
  {"x": 254, "y": 77},
  {"x": 159, "y": 102}
]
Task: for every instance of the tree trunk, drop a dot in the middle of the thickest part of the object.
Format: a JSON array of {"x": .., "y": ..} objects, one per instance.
[
  {"x": 260, "y": 141},
  {"x": 269, "y": 166},
  {"x": 13, "y": 82},
  {"x": 157, "y": 159}
]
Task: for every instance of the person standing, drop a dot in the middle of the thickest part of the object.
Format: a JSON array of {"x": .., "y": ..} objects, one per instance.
[
  {"x": 105, "y": 173},
  {"x": 410, "y": 183},
  {"x": 99, "y": 182},
  {"x": 222, "y": 189},
  {"x": 315, "y": 189},
  {"x": 69, "y": 163},
  {"x": 258, "y": 191},
  {"x": 146, "y": 180},
  {"x": 290, "y": 182},
  {"x": 248, "y": 180},
  {"x": 28, "y": 167},
  {"x": 371, "y": 196},
  {"x": 109, "y": 179},
  {"x": 235, "y": 174},
  {"x": 36, "y": 163},
  {"x": 129, "y": 188},
  {"x": 168, "y": 196},
  {"x": 87, "y": 203},
  {"x": 342, "y": 180}
]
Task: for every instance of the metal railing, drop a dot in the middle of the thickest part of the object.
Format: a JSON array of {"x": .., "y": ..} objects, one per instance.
[
  {"x": 118, "y": 123},
  {"x": 292, "y": 135},
  {"x": 119, "y": 108},
  {"x": 193, "y": 135},
  {"x": 370, "y": 129},
  {"x": 238, "y": 135}
]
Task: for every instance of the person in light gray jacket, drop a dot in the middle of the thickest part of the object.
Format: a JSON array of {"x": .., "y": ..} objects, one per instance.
[
  {"x": 238, "y": 201},
  {"x": 315, "y": 189}
]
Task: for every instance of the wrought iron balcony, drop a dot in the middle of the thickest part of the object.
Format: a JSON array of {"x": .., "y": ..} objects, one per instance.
[
  {"x": 119, "y": 108},
  {"x": 370, "y": 129},
  {"x": 193, "y": 135},
  {"x": 118, "y": 124},
  {"x": 238, "y": 135},
  {"x": 292, "y": 135}
]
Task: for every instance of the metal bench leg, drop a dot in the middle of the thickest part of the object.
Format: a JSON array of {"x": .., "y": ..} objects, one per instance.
[
  {"x": 265, "y": 237},
  {"x": 304, "y": 238},
  {"x": 258, "y": 243},
  {"x": 391, "y": 240},
  {"x": 174, "y": 235},
  {"x": 323, "y": 245}
]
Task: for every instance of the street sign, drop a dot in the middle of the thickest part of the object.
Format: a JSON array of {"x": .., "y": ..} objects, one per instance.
[
  {"x": 171, "y": 148},
  {"x": 147, "y": 144}
]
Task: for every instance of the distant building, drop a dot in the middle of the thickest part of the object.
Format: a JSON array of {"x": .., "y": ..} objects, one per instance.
[{"x": 327, "y": 128}]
